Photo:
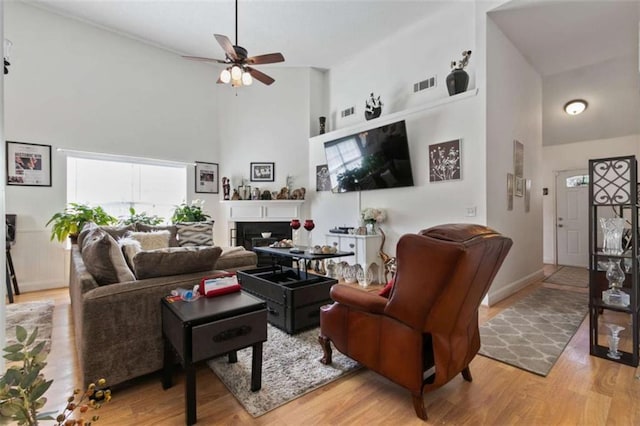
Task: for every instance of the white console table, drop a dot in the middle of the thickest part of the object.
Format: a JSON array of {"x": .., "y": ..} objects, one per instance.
[{"x": 365, "y": 248}]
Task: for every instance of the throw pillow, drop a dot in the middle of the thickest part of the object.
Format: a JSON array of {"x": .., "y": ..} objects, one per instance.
[
  {"x": 103, "y": 258},
  {"x": 86, "y": 228},
  {"x": 386, "y": 291},
  {"x": 191, "y": 234},
  {"x": 151, "y": 240},
  {"x": 226, "y": 251},
  {"x": 118, "y": 231},
  {"x": 175, "y": 261},
  {"x": 173, "y": 231},
  {"x": 130, "y": 248}
]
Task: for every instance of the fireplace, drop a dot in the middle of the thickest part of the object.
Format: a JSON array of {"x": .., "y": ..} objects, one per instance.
[{"x": 249, "y": 235}]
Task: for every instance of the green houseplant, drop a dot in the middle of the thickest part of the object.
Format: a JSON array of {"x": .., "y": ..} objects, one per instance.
[
  {"x": 189, "y": 212},
  {"x": 23, "y": 385},
  {"x": 69, "y": 222},
  {"x": 142, "y": 217}
]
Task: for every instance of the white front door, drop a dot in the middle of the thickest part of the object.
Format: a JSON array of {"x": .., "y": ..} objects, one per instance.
[{"x": 572, "y": 217}]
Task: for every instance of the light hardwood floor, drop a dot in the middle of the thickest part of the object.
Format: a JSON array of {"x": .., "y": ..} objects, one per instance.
[{"x": 580, "y": 390}]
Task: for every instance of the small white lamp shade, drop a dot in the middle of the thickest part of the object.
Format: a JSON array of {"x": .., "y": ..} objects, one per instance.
[
  {"x": 236, "y": 73},
  {"x": 247, "y": 79},
  {"x": 225, "y": 76}
]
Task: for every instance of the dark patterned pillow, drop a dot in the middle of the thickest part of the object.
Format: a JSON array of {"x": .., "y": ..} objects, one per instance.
[
  {"x": 192, "y": 234},
  {"x": 103, "y": 258},
  {"x": 174, "y": 261}
]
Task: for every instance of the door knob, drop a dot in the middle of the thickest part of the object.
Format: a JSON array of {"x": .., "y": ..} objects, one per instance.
[
  {"x": 560, "y": 226},
  {"x": 559, "y": 218}
]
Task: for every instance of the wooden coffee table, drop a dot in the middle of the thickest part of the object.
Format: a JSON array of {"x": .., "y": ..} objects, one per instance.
[{"x": 209, "y": 327}]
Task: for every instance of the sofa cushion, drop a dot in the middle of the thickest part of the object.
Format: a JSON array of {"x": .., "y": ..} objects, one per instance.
[
  {"x": 151, "y": 240},
  {"x": 116, "y": 232},
  {"x": 174, "y": 261},
  {"x": 191, "y": 234},
  {"x": 173, "y": 231},
  {"x": 130, "y": 248},
  {"x": 103, "y": 258}
]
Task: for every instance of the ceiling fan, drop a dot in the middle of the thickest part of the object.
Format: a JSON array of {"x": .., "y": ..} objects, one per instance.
[{"x": 238, "y": 72}]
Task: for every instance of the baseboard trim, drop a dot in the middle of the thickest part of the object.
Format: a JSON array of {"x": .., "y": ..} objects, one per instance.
[
  {"x": 27, "y": 287},
  {"x": 506, "y": 291}
]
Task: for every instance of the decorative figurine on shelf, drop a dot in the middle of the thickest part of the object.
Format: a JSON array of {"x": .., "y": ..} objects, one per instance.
[
  {"x": 255, "y": 193},
  {"x": 235, "y": 195},
  {"x": 373, "y": 107},
  {"x": 283, "y": 194},
  {"x": 458, "y": 79},
  {"x": 266, "y": 195},
  {"x": 323, "y": 123},
  {"x": 226, "y": 187},
  {"x": 298, "y": 194}
]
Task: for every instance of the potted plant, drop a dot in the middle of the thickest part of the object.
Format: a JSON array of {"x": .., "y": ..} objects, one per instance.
[
  {"x": 69, "y": 222},
  {"x": 142, "y": 217},
  {"x": 189, "y": 212},
  {"x": 23, "y": 385}
]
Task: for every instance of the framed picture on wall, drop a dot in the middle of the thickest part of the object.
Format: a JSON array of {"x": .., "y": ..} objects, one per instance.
[
  {"x": 262, "y": 172},
  {"x": 444, "y": 161},
  {"x": 518, "y": 186},
  {"x": 518, "y": 159},
  {"x": 207, "y": 177},
  {"x": 28, "y": 164}
]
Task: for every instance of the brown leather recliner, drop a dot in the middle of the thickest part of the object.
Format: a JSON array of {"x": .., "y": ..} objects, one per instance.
[{"x": 427, "y": 331}]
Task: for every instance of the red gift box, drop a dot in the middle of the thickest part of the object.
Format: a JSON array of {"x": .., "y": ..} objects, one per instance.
[{"x": 219, "y": 284}]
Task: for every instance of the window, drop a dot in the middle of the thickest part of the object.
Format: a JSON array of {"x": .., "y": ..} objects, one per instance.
[
  {"x": 117, "y": 185},
  {"x": 577, "y": 181}
]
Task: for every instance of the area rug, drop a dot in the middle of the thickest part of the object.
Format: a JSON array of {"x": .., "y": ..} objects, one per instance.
[
  {"x": 290, "y": 369},
  {"x": 570, "y": 275},
  {"x": 30, "y": 315},
  {"x": 532, "y": 334}
]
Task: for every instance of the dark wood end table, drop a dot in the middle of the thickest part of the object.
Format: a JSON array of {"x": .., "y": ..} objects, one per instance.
[{"x": 209, "y": 327}]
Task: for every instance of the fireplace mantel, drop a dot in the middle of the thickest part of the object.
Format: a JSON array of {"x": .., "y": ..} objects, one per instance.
[{"x": 262, "y": 210}]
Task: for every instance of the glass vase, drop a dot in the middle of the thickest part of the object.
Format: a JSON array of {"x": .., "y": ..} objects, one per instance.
[{"x": 612, "y": 229}]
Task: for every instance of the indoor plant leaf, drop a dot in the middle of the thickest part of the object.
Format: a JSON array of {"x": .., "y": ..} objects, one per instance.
[
  {"x": 21, "y": 333},
  {"x": 33, "y": 336}
]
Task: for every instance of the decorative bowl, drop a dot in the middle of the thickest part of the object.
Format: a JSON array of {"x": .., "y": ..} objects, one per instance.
[{"x": 266, "y": 235}]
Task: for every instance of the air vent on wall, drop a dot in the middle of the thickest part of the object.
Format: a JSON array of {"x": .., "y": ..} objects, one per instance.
[
  {"x": 347, "y": 112},
  {"x": 425, "y": 84}
]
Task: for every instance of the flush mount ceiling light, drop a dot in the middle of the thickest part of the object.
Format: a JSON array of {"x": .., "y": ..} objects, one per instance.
[
  {"x": 575, "y": 106},
  {"x": 238, "y": 72}
]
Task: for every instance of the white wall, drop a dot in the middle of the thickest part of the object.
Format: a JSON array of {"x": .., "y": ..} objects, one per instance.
[
  {"x": 266, "y": 124},
  {"x": 425, "y": 49},
  {"x": 514, "y": 111},
  {"x": 2, "y": 193},
  {"x": 72, "y": 85},
  {"x": 574, "y": 156}
]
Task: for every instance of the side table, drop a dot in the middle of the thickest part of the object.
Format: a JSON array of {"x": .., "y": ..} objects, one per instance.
[{"x": 209, "y": 327}]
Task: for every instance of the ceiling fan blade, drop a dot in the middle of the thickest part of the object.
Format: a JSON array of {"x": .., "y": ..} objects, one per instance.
[
  {"x": 226, "y": 45},
  {"x": 269, "y": 58},
  {"x": 260, "y": 76},
  {"x": 198, "y": 58}
]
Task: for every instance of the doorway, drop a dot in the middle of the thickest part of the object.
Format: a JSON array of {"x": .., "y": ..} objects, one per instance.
[{"x": 572, "y": 218}]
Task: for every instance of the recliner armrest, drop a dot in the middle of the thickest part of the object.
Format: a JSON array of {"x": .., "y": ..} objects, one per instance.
[{"x": 358, "y": 299}]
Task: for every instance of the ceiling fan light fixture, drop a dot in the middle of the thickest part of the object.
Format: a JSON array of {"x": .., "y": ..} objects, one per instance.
[
  {"x": 236, "y": 72},
  {"x": 247, "y": 79},
  {"x": 575, "y": 106},
  {"x": 225, "y": 76}
]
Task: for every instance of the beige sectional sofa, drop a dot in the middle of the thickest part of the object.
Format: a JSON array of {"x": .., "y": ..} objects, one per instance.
[{"x": 118, "y": 327}]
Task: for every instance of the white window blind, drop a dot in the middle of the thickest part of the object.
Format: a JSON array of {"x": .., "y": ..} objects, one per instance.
[{"x": 117, "y": 185}]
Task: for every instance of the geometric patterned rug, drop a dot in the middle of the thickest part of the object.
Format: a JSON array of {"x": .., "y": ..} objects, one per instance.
[
  {"x": 570, "y": 275},
  {"x": 533, "y": 332}
]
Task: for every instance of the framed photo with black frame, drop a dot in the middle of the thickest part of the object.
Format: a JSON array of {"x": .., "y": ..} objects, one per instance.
[
  {"x": 207, "y": 179},
  {"x": 262, "y": 172},
  {"x": 28, "y": 164}
]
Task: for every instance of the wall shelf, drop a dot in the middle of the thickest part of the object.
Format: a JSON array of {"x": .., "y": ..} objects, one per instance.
[{"x": 391, "y": 118}]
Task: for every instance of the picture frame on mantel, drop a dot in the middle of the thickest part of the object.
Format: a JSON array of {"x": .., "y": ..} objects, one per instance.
[
  {"x": 207, "y": 178},
  {"x": 262, "y": 172},
  {"x": 28, "y": 164}
]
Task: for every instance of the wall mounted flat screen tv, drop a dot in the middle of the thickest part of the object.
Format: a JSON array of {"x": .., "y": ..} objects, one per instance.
[{"x": 374, "y": 159}]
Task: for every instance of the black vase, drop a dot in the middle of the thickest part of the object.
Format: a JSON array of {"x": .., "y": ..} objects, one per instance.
[{"x": 457, "y": 81}]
